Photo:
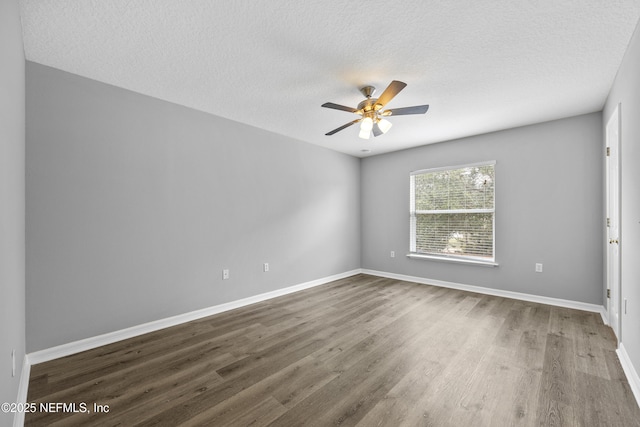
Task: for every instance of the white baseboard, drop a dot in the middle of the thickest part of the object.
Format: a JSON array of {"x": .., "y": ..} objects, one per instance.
[
  {"x": 629, "y": 371},
  {"x": 23, "y": 388},
  {"x": 604, "y": 313},
  {"x": 109, "y": 338},
  {"x": 496, "y": 292},
  {"x": 134, "y": 331}
]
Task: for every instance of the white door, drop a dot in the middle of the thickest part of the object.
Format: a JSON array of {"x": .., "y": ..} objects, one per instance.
[{"x": 613, "y": 219}]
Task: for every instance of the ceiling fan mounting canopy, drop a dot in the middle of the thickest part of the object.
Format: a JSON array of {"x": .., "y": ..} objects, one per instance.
[
  {"x": 372, "y": 118},
  {"x": 368, "y": 91}
]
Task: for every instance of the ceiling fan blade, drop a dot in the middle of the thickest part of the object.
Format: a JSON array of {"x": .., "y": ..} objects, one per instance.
[
  {"x": 376, "y": 130},
  {"x": 418, "y": 109},
  {"x": 392, "y": 90},
  {"x": 342, "y": 127},
  {"x": 338, "y": 107}
]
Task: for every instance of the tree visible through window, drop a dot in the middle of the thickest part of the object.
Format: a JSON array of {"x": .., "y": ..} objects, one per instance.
[{"x": 452, "y": 212}]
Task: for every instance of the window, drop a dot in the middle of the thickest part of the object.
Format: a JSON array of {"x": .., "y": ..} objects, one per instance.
[{"x": 452, "y": 212}]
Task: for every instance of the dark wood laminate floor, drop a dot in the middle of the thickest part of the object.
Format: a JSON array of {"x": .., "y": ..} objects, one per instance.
[{"x": 362, "y": 351}]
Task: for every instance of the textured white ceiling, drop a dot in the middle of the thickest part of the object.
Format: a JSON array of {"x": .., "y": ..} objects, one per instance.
[{"x": 481, "y": 65}]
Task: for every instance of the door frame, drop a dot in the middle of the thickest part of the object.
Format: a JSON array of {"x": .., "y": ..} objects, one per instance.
[{"x": 613, "y": 235}]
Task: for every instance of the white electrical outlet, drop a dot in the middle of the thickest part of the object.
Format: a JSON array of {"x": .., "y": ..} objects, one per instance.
[
  {"x": 265, "y": 267},
  {"x": 625, "y": 306},
  {"x": 538, "y": 267},
  {"x": 393, "y": 254},
  {"x": 225, "y": 274}
]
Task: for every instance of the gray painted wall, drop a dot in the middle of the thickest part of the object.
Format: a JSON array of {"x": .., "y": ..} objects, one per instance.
[
  {"x": 626, "y": 90},
  {"x": 548, "y": 209},
  {"x": 12, "y": 164},
  {"x": 135, "y": 205}
]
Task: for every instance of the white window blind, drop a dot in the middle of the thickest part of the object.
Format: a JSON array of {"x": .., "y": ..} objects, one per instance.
[{"x": 452, "y": 212}]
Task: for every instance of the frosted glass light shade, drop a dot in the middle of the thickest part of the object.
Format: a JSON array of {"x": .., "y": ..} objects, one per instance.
[
  {"x": 366, "y": 124},
  {"x": 384, "y": 125}
]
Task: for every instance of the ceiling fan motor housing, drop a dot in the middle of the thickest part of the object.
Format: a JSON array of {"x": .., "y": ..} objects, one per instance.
[{"x": 369, "y": 104}]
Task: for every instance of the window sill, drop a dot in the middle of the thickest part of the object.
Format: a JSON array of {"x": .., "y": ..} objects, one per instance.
[{"x": 454, "y": 260}]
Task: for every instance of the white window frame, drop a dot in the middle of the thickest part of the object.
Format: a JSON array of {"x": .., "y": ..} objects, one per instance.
[{"x": 465, "y": 259}]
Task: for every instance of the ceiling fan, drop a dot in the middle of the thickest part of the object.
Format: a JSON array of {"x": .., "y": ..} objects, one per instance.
[{"x": 372, "y": 119}]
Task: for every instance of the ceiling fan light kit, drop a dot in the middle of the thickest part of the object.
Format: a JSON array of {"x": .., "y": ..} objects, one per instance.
[{"x": 370, "y": 109}]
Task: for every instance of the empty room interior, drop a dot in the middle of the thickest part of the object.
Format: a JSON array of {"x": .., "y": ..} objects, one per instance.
[{"x": 320, "y": 213}]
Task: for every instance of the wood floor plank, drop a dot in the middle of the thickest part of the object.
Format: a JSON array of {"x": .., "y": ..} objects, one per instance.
[
  {"x": 109, "y": 389},
  {"x": 621, "y": 389},
  {"x": 288, "y": 387},
  {"x": 560, "y": 322},
  {"x": 494, "y": 379},
  {"x": 511, "y": 331},
  {"x": 215, "y": 395},
  {"x": 398, "y": 407},
  {"x": 359, "y": 387},
  {"x": 556, "y": 397},
  {"x": 530, "y": 350},
  {"x": 488, "y": 304},
  {"x": 260, "y": 415},
  {"x": 364, "y": 350},
  {"x": 597, "y": 410},
  {"x": 588, "y": 345},
  {"x": 148, "y": 398},
  {"x": 445, "y": 399},
  {"x": 519, "y": 409},
  {"x": 80, "y": 372}
]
